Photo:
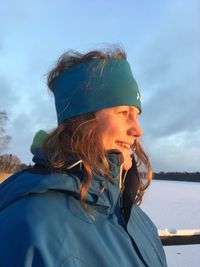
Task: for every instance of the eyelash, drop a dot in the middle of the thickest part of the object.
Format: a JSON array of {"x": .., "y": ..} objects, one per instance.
[{"x": 124, "y": 112}]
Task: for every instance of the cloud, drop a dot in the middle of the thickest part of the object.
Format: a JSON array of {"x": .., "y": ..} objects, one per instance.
[
  {"x": 169, "y": 74},
  {"x": 23, "y": 127},
  {"x": 29, "y": 109},
  {"x": 8, "y": 97},
  {"x": 166, "y": 42},
  {"x": 176, "y": 153},
  {"x": 171, "y": 110}
]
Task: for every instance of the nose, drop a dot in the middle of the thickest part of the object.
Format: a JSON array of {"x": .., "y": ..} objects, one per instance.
[{"x": 135, "y": 129}]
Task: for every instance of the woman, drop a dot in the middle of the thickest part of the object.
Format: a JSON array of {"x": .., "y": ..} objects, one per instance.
[{"x": 78, "y": 205}]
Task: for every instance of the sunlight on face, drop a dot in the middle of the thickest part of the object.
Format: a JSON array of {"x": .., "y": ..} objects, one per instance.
[{"x": 118, "y": 128}]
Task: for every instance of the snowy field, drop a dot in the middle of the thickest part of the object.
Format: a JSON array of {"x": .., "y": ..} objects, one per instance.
[{"x": 175, "y": 205}]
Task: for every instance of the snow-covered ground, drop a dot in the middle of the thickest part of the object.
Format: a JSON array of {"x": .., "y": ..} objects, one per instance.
[{"x": 175, "y": 205}]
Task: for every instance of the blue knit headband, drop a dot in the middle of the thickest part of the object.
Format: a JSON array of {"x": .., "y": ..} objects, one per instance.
[{"x": 95, "y": 85}]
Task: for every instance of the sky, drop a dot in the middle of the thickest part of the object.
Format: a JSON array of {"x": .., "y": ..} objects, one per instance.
[{"x": 162, "y": 40}]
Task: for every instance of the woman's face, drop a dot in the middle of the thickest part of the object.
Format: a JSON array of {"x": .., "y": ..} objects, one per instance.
[{"x": 119, "y": 128}]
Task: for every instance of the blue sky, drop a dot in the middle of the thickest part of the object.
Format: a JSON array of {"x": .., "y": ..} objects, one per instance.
[{"x": 161, "y": 39}]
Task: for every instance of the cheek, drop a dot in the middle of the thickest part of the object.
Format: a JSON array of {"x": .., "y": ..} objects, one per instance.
[
  {"x": 109, "y": 133},
  {"x": 107, "y": 138}
]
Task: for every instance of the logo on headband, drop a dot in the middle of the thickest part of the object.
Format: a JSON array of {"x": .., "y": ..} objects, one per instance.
[{"x": 138, "y": 96}]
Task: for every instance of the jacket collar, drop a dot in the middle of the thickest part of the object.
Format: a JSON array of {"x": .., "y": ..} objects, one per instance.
[
  {"x": 102, "y": 194},
  {"x": 32, "y": 181}
]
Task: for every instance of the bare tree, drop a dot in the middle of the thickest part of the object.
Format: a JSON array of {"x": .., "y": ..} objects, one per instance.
[
  {"x": 9, "y": 163},
  {"x": 4, "y": 139}
]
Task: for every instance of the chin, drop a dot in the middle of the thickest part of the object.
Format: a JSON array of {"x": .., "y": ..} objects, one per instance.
[{"x": 127, "y": 165}]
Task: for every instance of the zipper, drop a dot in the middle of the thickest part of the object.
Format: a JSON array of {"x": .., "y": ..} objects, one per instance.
[
  {"x": 122, "y": 179},
  {"x": 121, "y": 186}
]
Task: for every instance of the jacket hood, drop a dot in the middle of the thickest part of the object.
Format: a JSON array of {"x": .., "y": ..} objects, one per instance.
[{"x": 34, "y": 181}]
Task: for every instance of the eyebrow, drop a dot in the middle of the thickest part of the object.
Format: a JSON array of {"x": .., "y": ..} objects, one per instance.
[{"x": 130, "y": 109}]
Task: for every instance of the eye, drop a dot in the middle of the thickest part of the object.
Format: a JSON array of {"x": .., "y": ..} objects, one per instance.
[{"x": 124, "y": 113}]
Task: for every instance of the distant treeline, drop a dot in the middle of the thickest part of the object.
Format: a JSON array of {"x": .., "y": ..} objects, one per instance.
[
  {"x": 10, "y": 163},
  {"x": 178, "y": 176}
]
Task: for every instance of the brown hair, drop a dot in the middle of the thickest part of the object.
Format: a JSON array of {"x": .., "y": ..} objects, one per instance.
[{"x": 78, "y": 135}]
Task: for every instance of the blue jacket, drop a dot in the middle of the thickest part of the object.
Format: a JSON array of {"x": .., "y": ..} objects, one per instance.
[{"x": 42, "y": 223}]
